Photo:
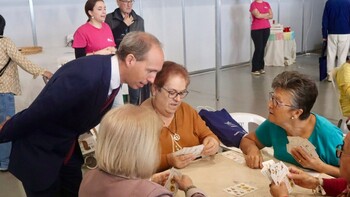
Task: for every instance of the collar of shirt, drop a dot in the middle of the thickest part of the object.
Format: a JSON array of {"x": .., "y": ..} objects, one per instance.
[{"x": 115, "y": 77}]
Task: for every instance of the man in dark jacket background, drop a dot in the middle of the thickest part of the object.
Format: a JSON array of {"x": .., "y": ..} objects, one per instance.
[{"x": 122, "y": 21}]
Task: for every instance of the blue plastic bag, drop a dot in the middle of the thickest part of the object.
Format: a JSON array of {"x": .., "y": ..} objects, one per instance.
[{"x": 224, "y": 126}]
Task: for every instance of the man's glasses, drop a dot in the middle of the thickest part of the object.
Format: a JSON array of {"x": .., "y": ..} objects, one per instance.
[
  {"x": 340, "y": 150},
  {"x": 277, "y": 103},
  {"x": 173, "y": 93},
  {"x": 127, "y": 2}
]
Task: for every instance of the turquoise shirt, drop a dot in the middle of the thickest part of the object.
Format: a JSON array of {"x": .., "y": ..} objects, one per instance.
[{"x": 325, "y": 137}]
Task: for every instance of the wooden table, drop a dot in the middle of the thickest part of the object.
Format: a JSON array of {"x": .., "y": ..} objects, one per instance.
[{"x": 213, "y": 175}]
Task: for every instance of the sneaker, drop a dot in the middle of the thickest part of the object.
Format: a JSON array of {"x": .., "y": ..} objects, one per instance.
[
  {"x": 262, "y": 71},
  {"x": 3, "y": 169},
  {"x": 256, "y": 73}
]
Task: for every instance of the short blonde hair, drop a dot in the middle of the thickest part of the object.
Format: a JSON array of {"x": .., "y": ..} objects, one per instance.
[{"x": 128, "y": 142}]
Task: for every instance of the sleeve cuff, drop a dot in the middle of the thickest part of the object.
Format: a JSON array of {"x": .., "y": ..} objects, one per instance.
[{"x": 193, "y": 191}]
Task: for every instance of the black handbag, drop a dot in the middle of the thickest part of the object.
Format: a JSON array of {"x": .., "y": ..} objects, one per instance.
[{"x": 323, "y": 62}]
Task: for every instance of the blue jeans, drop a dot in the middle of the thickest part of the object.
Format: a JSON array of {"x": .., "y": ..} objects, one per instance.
[{"x": 7, "y": 108}]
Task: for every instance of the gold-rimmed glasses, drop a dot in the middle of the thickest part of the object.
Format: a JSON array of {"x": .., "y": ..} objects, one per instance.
[{"x": 173, "y": 93}]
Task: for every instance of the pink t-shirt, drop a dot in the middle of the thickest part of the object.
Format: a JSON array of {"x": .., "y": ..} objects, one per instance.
[
  {"x": 263, "y": 8},
  {"x": 93, "y": 39}
]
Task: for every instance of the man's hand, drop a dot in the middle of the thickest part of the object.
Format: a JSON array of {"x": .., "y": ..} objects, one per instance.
[{"x": 128, "y": 19}]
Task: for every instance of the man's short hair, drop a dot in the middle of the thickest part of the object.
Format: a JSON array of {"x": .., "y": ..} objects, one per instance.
[{"x": 137, "y": 43}]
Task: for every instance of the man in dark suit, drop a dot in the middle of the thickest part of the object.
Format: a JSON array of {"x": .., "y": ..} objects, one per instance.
[{"x": 46, "y": 156}]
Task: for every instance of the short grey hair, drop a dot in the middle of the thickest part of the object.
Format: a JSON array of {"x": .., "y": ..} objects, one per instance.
[
  {"x": 137, "y": 43},
  {"x": 128, "y": 142},
  {"x": 303, "y": 90}
]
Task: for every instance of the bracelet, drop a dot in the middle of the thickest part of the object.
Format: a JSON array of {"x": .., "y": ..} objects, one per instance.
[
  {"x": 189, "y": 187},
  {"x": 319, "y": 188}
]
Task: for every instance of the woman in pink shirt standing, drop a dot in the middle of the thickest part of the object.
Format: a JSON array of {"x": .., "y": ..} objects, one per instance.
[
  {"x": 95, "y": 36},
  {"x": 260, "y": 32}
]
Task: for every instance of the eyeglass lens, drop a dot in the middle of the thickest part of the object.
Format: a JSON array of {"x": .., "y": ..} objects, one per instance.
[{"x": 173, "y": 93}]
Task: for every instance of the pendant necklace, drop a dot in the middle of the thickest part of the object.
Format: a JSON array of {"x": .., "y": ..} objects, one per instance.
[{"x": 176, "y": 136}]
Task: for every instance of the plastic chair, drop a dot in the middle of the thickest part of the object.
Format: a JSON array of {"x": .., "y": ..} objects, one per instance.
[{"x": 244, "y": 119}]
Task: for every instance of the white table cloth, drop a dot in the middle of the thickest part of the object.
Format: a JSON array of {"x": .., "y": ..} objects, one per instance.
[{"x": 280, "y": 49}]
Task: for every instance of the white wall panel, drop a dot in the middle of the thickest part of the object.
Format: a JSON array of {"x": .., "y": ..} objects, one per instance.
[
  {"x": 200, "y": 34},
  {"x": 313, "y": 11},
  {"x": 18, "y": 24},
  {"x": 291, "y": 14},
  {"x": 163, "y": 18},
  {"x": 235, "y": 31},
  {"x": 56, "y": 19}
]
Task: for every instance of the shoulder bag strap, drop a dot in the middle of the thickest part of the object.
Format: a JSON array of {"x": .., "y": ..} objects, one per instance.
[{"x": 4, "y": 68}]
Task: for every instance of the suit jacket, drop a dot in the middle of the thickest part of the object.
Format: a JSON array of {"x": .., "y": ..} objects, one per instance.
[{"x": 69, "y": 105}]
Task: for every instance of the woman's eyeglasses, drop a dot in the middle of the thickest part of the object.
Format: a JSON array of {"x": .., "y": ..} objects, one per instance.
[
  {"x": 340, "y": 150},
  {"x": 173, "y": 93},
  {"x": 277, "y": 103}
]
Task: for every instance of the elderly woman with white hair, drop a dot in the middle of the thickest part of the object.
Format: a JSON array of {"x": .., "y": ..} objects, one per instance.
[{"x": 127, "y": 154}]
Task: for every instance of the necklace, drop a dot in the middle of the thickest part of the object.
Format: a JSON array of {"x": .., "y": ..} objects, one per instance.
[{"x": 175, "y": 136}]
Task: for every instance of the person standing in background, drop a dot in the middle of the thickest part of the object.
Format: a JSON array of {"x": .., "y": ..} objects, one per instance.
[
  {"x": 336, "y": 31},
  {"x": 10, "y": 57},
  {"x": 122, "y": 21},
  {"x": 260, "y": 32},
  {"x": 95, "y": 36}
]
